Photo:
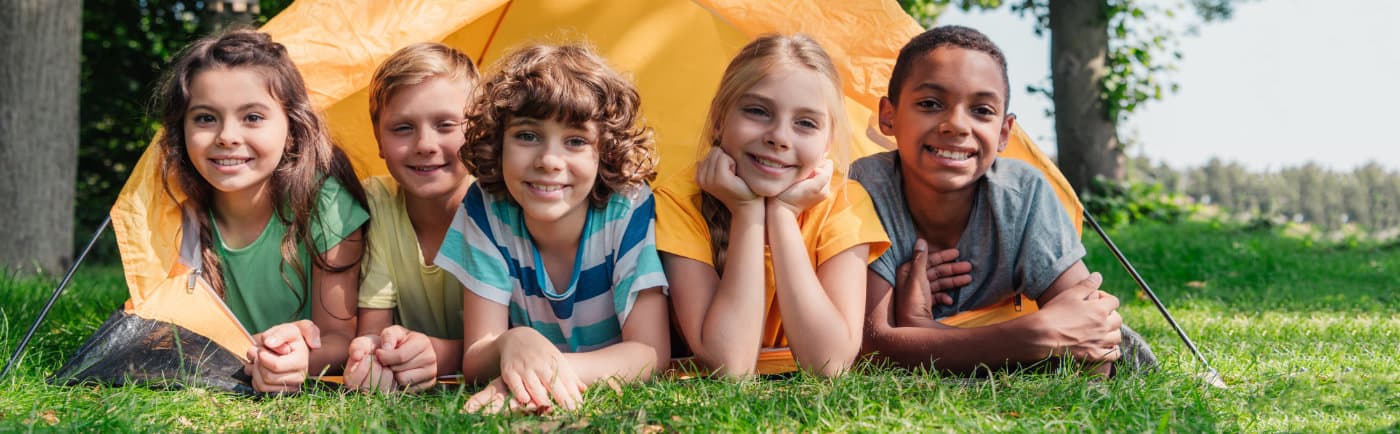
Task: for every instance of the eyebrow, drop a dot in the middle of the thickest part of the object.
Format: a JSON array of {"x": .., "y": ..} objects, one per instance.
[
  {"x": 769, "y": 101},
  {"x": 939, "y": 88},
  {"x": 245, "y": 107}
]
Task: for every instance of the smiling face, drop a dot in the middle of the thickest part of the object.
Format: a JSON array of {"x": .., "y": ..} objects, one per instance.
[
  {"x": 235, "y": 132},
  {"x": 419, "y": 132},
  {"x": 549, "y": 168},
  {"x": 778, "y": 130},
  {"x": 950, "y": 121}
]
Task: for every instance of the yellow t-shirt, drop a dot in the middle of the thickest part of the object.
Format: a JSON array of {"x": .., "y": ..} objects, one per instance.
[
  {"x": 845, "y": 219},
  {"x": 427, "y": 299}
]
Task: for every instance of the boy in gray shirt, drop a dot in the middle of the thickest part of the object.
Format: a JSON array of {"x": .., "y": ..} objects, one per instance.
[{"x": 970, "y": 232}]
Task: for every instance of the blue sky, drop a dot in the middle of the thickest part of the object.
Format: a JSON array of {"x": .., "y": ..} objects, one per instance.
[{"x": 1281, "y": 83}]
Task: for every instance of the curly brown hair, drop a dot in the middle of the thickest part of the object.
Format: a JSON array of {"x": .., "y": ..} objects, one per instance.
[{"x": 572, "y": 84}]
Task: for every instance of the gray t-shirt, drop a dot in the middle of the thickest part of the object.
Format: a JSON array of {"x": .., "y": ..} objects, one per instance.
[{"x": 1018, "y": 237}]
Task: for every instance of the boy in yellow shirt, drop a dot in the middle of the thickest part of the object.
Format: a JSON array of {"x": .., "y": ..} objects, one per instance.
[{"x": 410, "y": 316}]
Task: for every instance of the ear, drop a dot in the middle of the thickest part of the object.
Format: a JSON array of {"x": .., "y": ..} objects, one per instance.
[
  {"x": 1006, "y": 125},
  {"x": 886, "y": 116}
]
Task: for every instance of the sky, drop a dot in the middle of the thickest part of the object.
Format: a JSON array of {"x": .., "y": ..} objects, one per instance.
[{"x": 1281, "y": 83}]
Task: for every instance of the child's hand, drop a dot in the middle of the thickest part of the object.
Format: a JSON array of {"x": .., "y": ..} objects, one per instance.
[
  {"x": 536, "y": 372},
  {"x": 410, "y": 355},
  {"x": 280, "y": 356},
  {"x": 496, "y": 398},
  {"x": 364, "y": 370},
  {"x": 1084, "y": 323},
  {"x": 716, "y": 175},
  {"x": 923, "y": 281},
  {"x": 807, "y": 192}
]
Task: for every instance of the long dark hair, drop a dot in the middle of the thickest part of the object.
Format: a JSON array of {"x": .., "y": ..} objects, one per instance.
[{"x": 309, "y": 158}]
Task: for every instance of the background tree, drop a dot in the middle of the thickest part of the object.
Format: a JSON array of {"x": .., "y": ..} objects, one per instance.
[
  {"x": 1107, "y": 57},
  {"x": 38, "y": 131}
]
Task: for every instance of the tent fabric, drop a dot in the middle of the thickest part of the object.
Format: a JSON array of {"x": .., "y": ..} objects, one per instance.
[
  {"x": 129, "y": 349},
  {"x": 674, "y": 50}
]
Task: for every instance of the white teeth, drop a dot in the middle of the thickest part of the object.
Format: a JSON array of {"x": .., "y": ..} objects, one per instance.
[
  {"x": 424, "y": 168},
  {"x": 953, "y": 155},
  {"x": 768, "y": 163},
  {"x": 229, "y": 162},
  {"x": 546, "y": 188}
]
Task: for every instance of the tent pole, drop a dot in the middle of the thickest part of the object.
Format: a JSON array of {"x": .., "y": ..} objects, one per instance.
[
  {"x": 52, "y": 298},
  {"x": 1143, "y": 284}
]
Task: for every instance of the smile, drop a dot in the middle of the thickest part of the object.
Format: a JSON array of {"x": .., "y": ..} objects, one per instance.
[
  {"x": 427, "y": 168},
  {"x": 765, "y": 163},
  {"x": 951, "y": 155},
  {"x": 227, "y": 162},
  {"x": 545, "y": 188}
]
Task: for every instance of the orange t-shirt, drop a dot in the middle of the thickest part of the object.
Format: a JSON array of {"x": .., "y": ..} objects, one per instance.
[{"x": 845, "y": 219}]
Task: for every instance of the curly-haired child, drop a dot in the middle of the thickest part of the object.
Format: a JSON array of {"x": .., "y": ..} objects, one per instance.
[{"x": 555, "y": 241}]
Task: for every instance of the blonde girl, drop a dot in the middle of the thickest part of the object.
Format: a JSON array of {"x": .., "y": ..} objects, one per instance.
[{"x": 766, "y": 246}]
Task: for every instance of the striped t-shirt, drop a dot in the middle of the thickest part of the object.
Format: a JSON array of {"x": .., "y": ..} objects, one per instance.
[{"x": 489, "y": 249}]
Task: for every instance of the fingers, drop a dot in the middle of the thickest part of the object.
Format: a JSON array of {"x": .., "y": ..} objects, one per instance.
[
  {"x": 920, "y": 257},
  {"x": 309, "y": 332},
  {"x": 392, "y": 337},
  {"x": 515, "y": 385},
  {"x": 490, "y": 400}
]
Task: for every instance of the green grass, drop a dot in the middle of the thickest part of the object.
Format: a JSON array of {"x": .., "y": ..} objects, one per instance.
[{"x": 1307, "y": 336}]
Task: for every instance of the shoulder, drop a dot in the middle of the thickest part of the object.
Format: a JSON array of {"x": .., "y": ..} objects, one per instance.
[
  {"x": 380, "y": 191},
  {"x": 679, "y": 192},
  {"x": 875, "y": 167},
  {"x": 1014, "y": 179}
]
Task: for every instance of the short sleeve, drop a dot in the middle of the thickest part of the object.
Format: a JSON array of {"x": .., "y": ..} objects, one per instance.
[
  {"x": 1049, "y": 243},
  {"x": 879, "y": 174},
  {"x": 471, "y": 245},
  {"x": 638, "y": 267},
  {"x": 338, "y": 215},
  {"x": 680, "y": 228},
  {"x": 851, "y": 221},
  {"x": 377, "y": 289}
]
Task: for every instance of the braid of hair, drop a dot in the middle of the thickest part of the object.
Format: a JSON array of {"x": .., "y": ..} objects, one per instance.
[{"x": 717, "y": 217}]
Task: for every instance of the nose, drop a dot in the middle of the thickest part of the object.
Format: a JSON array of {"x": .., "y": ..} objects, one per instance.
[
  {"x": 955, "y": 124},
  {"x": 778, "y": 136},
  {"x": 550, "y": 158},
  {"x": 426, "y": 143},
  {"x": 229, "y": 134}
]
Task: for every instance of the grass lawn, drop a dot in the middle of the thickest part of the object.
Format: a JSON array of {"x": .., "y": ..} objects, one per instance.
[{"x": 1307, "y": 336}]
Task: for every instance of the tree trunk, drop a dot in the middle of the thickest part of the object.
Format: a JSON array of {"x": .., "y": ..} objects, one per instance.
[
  {"x": 39, "y": 45},
  {"x": 1088, "y": 139}
]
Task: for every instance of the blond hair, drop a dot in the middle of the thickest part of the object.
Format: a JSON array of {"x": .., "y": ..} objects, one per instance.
[{"x": 413, "y": 65}]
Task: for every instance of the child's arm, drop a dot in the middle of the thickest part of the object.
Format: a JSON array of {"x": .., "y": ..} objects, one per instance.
[
  {"x": 530, "y": 368},
  {"x": 645, "y": 348},
  {"x": 334, "y": 303},
  {"x": 1078, "y": 322},
  {"x": 722, "y": 317},
  {"x": 821, "y": 310}
]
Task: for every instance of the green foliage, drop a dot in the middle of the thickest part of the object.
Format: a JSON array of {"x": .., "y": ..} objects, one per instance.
[
  {"x": 1115, "y": 203},
  {"x": 125, "y": 46},
  {"x": 1304, "y": 335},
  {"x": 1143, "y": 48}
]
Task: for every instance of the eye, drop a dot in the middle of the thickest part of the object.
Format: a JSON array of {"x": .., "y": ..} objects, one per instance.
[
  {"x": 576, "y": 142},
  {"x": 928, "y": 104},
  {"x": 202, "y": 119},
  {"x": 755, "y": 111},
  {"x": 253, "y": 118},
  {"x": 448, "y": 126},
  {"x": 809, "y": 124},
  {"x": 984, "y": 111},
  {"x": 401, "y": 129},
  {"x": 527, "y": 136}
]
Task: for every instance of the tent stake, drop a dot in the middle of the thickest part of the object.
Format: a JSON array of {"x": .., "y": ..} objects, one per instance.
[
  {"x": 1212, "y": 375},
  {"x": 52, "y": 298}
]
